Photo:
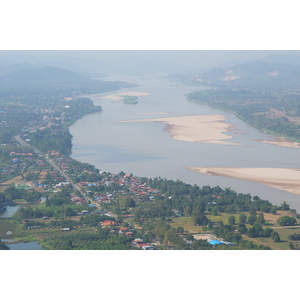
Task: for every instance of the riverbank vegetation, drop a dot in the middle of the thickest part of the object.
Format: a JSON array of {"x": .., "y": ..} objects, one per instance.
[{"x": 277, "y": 113}]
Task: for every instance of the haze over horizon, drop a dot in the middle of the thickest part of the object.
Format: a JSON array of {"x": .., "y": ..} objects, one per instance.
[{"x": 151, "y": 60}]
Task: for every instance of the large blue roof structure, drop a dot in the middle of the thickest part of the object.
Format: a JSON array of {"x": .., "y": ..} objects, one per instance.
[{"x": 215, "y": 242}]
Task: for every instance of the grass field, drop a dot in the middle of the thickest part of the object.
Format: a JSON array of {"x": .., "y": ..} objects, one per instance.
[{"x": 187, "y": 223}]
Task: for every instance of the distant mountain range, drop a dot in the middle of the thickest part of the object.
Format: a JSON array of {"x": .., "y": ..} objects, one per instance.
[
  {"x": 30, "y": 69},
  {"x": 258, "y": 74}
]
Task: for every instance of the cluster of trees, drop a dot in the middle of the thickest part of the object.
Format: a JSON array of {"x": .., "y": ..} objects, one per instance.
[
  {"x": 57, "y": 138},
  {"x": 57, "y": 212},
  {"x": 100, "y": 240},
  {"x": 188, "y": 198},
  {"x": 294, "y": 237},
  {"x": 254, "y": 107}
]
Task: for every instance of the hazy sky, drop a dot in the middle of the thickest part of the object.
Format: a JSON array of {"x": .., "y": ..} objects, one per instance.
[{"x": 191, "y": 59}]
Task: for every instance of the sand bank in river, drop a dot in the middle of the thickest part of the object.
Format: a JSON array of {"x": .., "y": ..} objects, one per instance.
[
  {"x": 119, "y": 95},
  {"x": 279, "y": 141},
  {"x": 155, "y": 113},
  {"x": 283, "y": 179},
  {"x": 201, "y": 129}
]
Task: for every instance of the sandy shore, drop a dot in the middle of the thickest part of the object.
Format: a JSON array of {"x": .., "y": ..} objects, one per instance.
[
  {"x": 201, "y": 129},
  {"x": 279, "y": 141},
  {"x": 119, "y": 95},
  {"x": 283, "y": 179},
  {"x": 155, "y": 113}
]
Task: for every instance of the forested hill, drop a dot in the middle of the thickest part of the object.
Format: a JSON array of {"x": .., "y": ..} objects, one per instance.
[
  {"x": 48, "y": 74},
  {"x": 51, "y": 79},
  {"x": 255, "y": 75}
]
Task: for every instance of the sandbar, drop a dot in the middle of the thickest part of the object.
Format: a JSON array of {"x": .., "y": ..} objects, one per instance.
[
  {"x": 280, "y": 141},
  {"x": 119, "y": 95},
  {"x": 155, "y": 113},
  {"x": 201, "y": 128},
  {"x": 279, "y": 178}
]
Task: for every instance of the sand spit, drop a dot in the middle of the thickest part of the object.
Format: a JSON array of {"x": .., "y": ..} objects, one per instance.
[
  {"x": 283, "y": 179},
  {"x": 155, "y": 113},
  {"x": 201, "y": 129},
  {"x": 280, "y": 141},
  {"x": 119, "y": 95}
]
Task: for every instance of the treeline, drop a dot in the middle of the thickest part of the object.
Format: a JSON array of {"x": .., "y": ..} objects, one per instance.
[
  {"x": 92, "y": 220},
  {"x": 100, "y": 240},
  {"x": 186, "y": 198}
]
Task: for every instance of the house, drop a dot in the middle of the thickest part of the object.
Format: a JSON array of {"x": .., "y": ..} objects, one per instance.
[
  {"x": 108, "y": 223},
  {"x": 123, "y": 230}
]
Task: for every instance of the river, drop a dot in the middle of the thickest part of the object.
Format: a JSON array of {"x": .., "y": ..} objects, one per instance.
[{"x": 145, "y": 149}]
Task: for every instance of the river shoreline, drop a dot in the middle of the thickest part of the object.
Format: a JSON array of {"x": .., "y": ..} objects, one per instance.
[{"x": 282, "y": 179}]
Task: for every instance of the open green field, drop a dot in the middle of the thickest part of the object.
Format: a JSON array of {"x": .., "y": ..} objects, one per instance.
[{"x": 187, "y": 223}]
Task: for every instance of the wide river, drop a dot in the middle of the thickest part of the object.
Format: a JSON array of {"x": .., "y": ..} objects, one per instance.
[{"x": 146, "y": 149}]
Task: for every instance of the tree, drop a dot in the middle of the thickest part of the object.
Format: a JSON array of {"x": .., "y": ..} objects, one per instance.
[
  {"x": 287, "y": 221},
  {"x": 180, "y": 229},
  {"x": 275, "y": 236},
  {"x": 242, "y": 228},
  {"x": 189, "y": 237},
  {"x": 260, "y": 219},
  {"x": 231, "y": 220},
  {"x": 251, "y": 220},
  {"x": 284, "y": 206},
  {"x": 188, "y": 211},
  {"x": 242, "y": 219},
  {"x": 130, "y": 202},
  {"x": 201, "y": 220}
]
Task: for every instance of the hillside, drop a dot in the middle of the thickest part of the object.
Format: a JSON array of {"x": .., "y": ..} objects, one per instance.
[
  {"x": 255, "y": 75},
  {"x": 47, "y": 80}
]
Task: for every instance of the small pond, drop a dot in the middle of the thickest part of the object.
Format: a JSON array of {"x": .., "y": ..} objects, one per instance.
[
  {"x": 10, "y": 211},
  {"x": 25, "y": 246}
]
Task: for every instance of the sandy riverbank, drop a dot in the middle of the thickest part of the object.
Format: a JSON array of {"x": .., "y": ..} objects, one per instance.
[
  {"x": 280, "y": 141},
  {"x": 119, "y": 95},
  {"x": 155, "y": 113},
  {"x": 201, "y": 129},
  {"x": 283, "y": 179}
]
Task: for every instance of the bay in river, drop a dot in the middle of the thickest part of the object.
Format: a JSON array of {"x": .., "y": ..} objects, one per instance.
[{"x": 145, "y": 149}]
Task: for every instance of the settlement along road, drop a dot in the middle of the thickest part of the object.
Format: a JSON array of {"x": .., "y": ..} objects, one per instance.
[{"x": 22, "y": 142}]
